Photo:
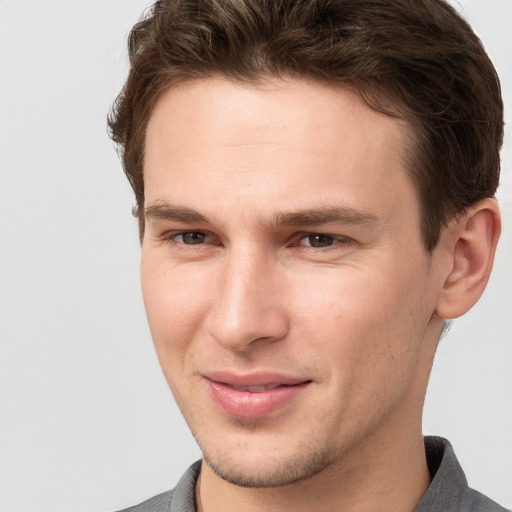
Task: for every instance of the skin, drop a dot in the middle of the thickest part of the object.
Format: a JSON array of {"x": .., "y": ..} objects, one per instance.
[{"x": 282, "y": 235}]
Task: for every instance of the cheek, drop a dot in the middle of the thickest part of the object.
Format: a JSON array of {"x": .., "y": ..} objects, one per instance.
[
  {"x": 367, "y": 325},
  {"x": 345, "y": 301},
  {"x": 175, "y": 315},
  {"x": 173, "y": 306}
]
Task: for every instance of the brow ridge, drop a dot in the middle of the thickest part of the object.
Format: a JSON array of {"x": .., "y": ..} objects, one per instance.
[
  {"x": 324, "y": 215},
  {"x": 307, "y": 217},
  {"x": 164, "y": 211}
]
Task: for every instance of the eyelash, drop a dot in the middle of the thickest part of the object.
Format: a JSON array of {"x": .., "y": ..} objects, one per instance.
[
  {"x": 182, "y": 233},
  {"x": 337, "y": 240}
]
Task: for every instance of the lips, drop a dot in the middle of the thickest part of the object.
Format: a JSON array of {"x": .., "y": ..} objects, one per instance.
[
  {"x": 253, "y": 396},
  {"x": 256, "y": 389}
]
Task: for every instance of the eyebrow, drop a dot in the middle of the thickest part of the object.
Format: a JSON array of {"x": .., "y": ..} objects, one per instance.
[
  {"x": 308, "y": 217},
  {"x": 164, "y": 211},
  {"x": 324, "y": 215}
]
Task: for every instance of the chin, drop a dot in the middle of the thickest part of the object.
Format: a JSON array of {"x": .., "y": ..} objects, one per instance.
[{"x": 266, "y": 471}]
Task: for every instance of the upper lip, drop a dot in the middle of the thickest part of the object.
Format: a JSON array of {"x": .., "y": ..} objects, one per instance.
[{"x": 259, "y": 378}]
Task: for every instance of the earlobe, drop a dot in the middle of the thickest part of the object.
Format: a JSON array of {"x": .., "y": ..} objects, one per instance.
[{"x": 473, "y": 240}]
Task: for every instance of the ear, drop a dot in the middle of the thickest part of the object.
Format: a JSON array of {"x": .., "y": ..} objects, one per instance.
[{"x": 471, "y": 242}]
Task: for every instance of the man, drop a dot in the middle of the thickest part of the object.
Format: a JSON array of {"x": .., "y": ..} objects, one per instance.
[{"x": 315, "y": 189}]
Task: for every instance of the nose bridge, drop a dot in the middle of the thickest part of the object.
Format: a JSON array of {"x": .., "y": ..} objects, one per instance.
[{"x": 246, "y": 306}]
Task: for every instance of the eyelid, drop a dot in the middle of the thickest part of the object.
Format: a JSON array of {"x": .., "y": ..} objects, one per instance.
[
  {"x": 182, "y": 233},
  {"x": 307, "y": 234},
  {"x": 170, "y": 237},
  {"x": 340, "y": 242}
]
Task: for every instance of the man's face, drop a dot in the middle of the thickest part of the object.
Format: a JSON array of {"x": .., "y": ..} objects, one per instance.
[{"x": 287, "y": 288}]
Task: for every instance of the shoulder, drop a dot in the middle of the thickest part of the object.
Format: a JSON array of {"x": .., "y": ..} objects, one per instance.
[
  {"x": 477, "y": 502},
  {"x": 159, "y": 503},
  {"x": 181, "y": 498},
  {"x": 449, "y": 490}
]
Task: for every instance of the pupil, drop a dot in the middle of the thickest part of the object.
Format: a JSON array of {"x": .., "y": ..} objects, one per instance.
[
  {"x": 193, "y": 238},
  {"x": 320, "y": 240}
]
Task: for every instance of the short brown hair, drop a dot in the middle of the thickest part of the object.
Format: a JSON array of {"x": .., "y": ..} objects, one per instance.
[{"x": 416, "y": 60}]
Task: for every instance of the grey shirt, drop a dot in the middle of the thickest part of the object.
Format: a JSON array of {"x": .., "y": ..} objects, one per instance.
[{"x": 448, "y": 492}]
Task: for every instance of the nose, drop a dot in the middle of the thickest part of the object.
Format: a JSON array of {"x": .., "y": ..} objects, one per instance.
[{"x": 248, "y": 306}]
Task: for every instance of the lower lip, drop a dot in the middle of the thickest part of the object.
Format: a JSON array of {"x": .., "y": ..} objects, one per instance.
[{"x": 253, "y": 405}]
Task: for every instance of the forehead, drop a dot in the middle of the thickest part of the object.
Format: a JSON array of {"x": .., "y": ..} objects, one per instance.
[{"x": 287, "y": 143}]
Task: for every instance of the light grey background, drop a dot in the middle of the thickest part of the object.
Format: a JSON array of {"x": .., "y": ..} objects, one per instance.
[{"x": 86, "y": 420}]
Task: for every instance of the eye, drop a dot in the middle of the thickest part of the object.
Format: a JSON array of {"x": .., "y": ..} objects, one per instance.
[
  {"x": 319, "y": 241},
  {"x": 191, "y": 237}
]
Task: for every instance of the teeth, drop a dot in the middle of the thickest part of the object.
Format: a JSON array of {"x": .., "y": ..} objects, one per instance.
[{"x": 256, "y": 389}]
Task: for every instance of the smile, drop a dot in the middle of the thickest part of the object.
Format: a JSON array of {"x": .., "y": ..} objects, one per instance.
[
  {"x": 255, "y": 389},
  {"x": 237, "y": 397}
]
